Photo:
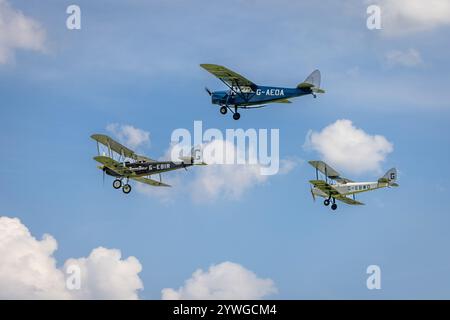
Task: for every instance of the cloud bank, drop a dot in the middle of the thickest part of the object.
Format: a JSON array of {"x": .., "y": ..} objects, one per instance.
[{"x": 28, "y": 269}]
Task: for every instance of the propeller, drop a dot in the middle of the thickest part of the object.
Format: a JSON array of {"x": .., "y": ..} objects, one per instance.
[
  {"x": 209, "y": 91},
  {"x": 313, "y": 195}
]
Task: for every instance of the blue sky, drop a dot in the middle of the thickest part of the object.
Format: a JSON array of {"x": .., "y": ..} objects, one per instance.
[{"x": 137, "y": 64}]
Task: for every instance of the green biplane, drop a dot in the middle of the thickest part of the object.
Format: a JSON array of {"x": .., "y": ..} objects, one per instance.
[{"x": 122, "y": 163}]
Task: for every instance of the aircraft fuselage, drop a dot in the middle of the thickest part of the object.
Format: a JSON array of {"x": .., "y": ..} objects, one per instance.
[
  {"x": 351, "y": 188},
  {"x": 141, "y": 169},
  {"x": 256, "y": 96}
]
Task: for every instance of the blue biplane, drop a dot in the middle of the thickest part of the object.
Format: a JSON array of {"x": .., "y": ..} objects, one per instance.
[{"x": 245, "y": 94}]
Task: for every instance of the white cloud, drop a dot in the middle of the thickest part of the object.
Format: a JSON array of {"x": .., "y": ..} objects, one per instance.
[
  {"x": 130, "y": 136},
  {"x": 18, "y": 31},
  {"x": 28, "y": 269},
  {"x": 226, "y": 280},
  {"x": 407, "y": 16},
  {"x": 229, "y": 181},
  {"x": 408, "y": 58},
  {"x": 346, "y": 147},
  {"x": 106, "y": 275},
  {"x": 225, "y": 180}
]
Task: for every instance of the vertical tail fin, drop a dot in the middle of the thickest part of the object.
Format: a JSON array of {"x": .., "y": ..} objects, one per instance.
[
  {"x": 196, "y": 157},
  {"x": 312, "y": 82},
  {"x": 390, "y": 178},
  {"x": 313, "y": 78}
]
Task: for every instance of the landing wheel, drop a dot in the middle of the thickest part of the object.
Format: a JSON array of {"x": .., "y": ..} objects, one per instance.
[
  {"x": 117, "y": 184},
  {"x": 126, "y": 188},
  {"x": 326, "y": 202},
  {"x": 223, "y": 110},
  {"x": 334, "y": 206},
  {"x": 236, "y": 116}
]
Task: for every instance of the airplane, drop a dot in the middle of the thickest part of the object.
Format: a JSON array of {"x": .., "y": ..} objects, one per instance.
[
  {"x": 130, "y": 165},
  {"x": 245, "y": 94},
  {"x": 339, "y": 188}
]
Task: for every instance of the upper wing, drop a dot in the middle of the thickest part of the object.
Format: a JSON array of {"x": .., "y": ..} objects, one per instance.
[
  {"x": 119, "y": 148},
  {"x": 348, "y": 200},
  {"x": 150, "y": 182},
  {"x": 114, "y": 165},
  {"x": 328, "y": 171},
  {"x": 226, "y": 75},
  {"x": 325, "y": 187}
]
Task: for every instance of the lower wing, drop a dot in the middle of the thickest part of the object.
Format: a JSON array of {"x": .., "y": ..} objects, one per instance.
[
  {"x": 348, "y": 200},
  {"x": 150, "y": 182}
]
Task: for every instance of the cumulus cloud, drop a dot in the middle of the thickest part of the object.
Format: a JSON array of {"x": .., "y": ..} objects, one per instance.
[
  {"x": 28, "y": 269},
  {"x": 408, "y": 58},
  {"x": 130, "y": 136},
  {"x": 343, "y": 145},
  {"x": 226, "y": 280},
  {"x": 407, "y": 16},
  {"x": 18, "y": 31},
  {"x": 227, "y": 181},
  {"x": 106, "y": 275},
  {"x": 222, "y": 179}
]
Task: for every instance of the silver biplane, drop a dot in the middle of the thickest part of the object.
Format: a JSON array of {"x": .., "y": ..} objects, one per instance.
[
  {"x": 334, "y": 187},
  {"x": 129, "y": 165}
]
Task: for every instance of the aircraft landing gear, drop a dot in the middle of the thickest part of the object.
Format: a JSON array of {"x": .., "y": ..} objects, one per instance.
[
  {"x": 117, "y": 184},
  {"x": 223, "y": 110},
  {"x": 236, "y": 114},
  {"x": 126, "y": 188},
  {"x": 334, "y": 205},
  {"x": 326, "y": 202}
]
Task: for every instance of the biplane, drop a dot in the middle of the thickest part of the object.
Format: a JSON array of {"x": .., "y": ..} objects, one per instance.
[
  {"x": 124, "y": 164},
  {"x": 245, "y": 94},
  {"x": 334, "y": 187}
]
